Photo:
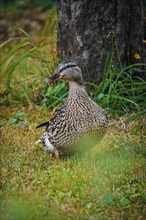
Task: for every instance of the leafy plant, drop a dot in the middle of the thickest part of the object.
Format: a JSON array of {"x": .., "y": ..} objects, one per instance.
[
  {"x": 55, "y": 95},
  {"x": 25, "y": 66},
  {"x": 16, "y": 119},
  {"x": 110, "y": 184},
  {"x": 120, "y": 91}
]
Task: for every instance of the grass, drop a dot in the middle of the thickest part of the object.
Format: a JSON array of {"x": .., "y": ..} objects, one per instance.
[
  {"x": 25, "y": 66},
  {"x": 27, "y": 63},
  {"x": 35, "y": 186},
  {"x": 120, "y": 91},
  {"x": 110, "y": 185}
]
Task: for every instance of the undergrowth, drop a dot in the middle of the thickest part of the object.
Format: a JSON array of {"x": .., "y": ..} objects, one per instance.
[
  {"x": 108, "y": 185},
  {"x": 27, "y": 63}
]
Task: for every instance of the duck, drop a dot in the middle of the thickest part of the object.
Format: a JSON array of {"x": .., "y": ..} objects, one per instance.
[{"x": 79, "y": 123}]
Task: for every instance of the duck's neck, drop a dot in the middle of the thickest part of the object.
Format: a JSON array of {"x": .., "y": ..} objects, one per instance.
[{"x": 75, "y": 89}]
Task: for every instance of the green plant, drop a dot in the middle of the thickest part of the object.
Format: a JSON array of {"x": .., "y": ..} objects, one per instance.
[
  {"x": 25, "y": 66},
  {"x": 120, "y": 92},
  {"x": 16, "y": 119},
  {"x": 108, "y": 185},
  {"x": 55, "y": 95}
]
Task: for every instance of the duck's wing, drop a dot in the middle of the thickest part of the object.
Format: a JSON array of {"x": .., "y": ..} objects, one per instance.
[{"x": 57, "y": 117}]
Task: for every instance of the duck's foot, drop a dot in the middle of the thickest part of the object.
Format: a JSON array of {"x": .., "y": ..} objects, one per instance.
[{"x": 56, "y": 153}]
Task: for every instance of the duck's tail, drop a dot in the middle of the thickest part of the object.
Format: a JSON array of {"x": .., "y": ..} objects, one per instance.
[{"x": 42, "y": 125}]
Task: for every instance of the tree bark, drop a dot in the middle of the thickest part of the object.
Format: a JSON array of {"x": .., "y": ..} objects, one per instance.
[{"x": 95, "y": 32}]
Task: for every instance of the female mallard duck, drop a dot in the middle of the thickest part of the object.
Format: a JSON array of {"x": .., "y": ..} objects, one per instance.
[{"x": 78, "y": 124}]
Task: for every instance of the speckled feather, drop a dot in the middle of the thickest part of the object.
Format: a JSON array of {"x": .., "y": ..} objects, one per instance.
[
  {"x": 76, "y": 120},
  {"x": 78, "y": 116}
]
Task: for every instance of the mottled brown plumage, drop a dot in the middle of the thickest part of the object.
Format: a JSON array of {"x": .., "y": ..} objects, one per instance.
[{"x": 79, "y": 124}]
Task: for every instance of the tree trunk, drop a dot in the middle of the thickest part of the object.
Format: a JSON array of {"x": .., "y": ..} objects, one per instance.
[{"x": 91, "y": 31}]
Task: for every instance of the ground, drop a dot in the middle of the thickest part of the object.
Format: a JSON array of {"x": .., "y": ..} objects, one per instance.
[{"x": 110, "y": 184}]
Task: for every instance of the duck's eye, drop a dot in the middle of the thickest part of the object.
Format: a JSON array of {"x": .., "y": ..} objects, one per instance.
[{"x": 55, "y": 75}]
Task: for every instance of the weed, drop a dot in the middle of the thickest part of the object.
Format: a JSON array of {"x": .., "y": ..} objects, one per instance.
[
  {"x": 119, "y": 91},
  {"x": 35, "y": 186},
  {"x": 25, "y": 66},
  {"x": 24, "y": 69}
]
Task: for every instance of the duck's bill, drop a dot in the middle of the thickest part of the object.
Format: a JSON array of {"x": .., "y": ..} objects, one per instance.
[{"x": 52, "y": 78}]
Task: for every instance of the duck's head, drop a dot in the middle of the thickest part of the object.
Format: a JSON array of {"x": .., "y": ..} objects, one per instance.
[{"x": 68, "y": 71}]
